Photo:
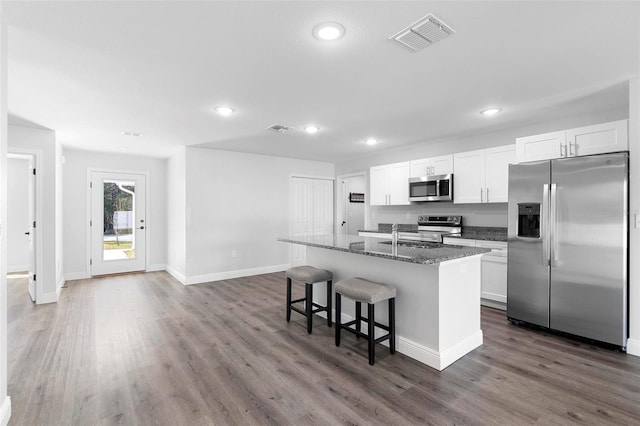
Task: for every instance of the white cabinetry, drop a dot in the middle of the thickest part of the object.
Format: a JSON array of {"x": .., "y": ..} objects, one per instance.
[
  {"x": 482, "y": 176},
  {"x": 389, "y": 184},
  {"x": 494, "y": 270},
  {"x": 596, "y": 139},
  {"x": 442, "y": 165}
]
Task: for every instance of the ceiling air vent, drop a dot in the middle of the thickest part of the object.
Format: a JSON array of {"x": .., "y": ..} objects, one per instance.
[
  {"x": 280, "y": 128},
  {"x": 422, "y": 33}
]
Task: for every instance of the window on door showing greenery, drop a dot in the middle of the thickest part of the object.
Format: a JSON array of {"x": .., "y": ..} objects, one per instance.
[{"x": 119, "y": 202}]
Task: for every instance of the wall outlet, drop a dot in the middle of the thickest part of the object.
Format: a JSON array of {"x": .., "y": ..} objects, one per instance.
[{"x": 234, "y": 253}]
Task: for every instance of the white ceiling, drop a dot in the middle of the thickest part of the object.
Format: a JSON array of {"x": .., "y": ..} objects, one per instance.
[{"x": 90, "y": 70}]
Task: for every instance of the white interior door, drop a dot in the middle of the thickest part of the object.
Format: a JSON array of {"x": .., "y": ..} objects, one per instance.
[
  {"x": 118, "y": 223},
  {"x": 31, "y": 229},
  {"x": 301, "y": 216}
]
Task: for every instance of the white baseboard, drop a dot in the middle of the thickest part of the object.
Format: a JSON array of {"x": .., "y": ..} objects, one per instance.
[
  {"x": 633, "y": 347},
  {"x": 227, "y": 275},
  {"x": 72, "y": 276},
  {"x": 493, "y": 304},
  {"x": 5, "y": 411},
  {"x": 175, "y": 274},
  {"x": 156, "y": 267},
  {"x": 50, "y": 297},
  {"x": 17, "y": 268},
  {"x": 428, "y": 356}
]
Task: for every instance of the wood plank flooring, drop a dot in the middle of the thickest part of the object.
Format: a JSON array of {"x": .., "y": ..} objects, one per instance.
[{"x": 143, "y": 349}]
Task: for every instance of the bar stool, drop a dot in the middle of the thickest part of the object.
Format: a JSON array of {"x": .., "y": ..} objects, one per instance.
[
  {"x": 309, "y": 275},
  {"x": 369, "y": 292}
]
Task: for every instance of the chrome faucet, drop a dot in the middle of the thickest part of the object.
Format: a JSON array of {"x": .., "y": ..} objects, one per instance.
[{"x": 394, "y": 239}]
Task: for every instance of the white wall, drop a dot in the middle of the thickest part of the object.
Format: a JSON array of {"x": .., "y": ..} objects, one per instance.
[
  {"x": 5, "y": 400},
  {"x": 76, "y": 218},
  {"x": 237, "y": 201},
  {"x": 176, "y": 223},
  {"x": 474, "y": 214},
  {"x": 633, "y": 346},
  {"x": 17, "y": 214},
  {"x": 27, "y": 139}
]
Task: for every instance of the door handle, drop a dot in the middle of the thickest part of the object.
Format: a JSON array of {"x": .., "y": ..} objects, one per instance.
[
  {"x": 481, "y": 198},
  {"x": 142, "y": 227},
  {"x": 565, "y": 150},
  {"x": 554, "y": 225},
  {"x": 544, "y": 224},
  {"x": 487, "y": 194},
  {"x": 571, "y": 154},
  {"x": 27, "y": 233},
  {"x": 343, "y": 222}
]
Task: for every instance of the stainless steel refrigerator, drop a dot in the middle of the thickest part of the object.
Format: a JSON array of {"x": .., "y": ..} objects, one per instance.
[{"x": 568, "y": 245}]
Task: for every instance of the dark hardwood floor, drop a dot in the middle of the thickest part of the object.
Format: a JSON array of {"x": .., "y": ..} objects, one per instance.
[{"x": 143, "y": 349}]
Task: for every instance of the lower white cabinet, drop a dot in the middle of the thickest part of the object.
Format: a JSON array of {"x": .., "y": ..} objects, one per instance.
[
  {"x": 494, "y": 281},
  {"x": 494, "y": 270}
]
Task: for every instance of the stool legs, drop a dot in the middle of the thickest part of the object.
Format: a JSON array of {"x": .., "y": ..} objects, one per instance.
[
  {"x": 338, "y": 318},
  {"x": 358, "y": 317},
  {"x": 288, "y": 299},
  {"x": 329, "y": 297},
  {"x": 371, "y": 322},
  {"x": 308, "y": 304},
  {"x": 392, "y": 325}
]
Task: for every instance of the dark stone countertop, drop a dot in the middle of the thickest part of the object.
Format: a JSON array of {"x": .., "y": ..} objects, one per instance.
[
  {"x": 486, "y": 233},
  {"x": 375, "y": 247}
]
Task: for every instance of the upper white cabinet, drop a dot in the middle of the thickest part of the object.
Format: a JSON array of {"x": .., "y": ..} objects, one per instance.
[
  {"x": 389, "y": 184},
  {"x": 540, "y": 147},
  {"x": 468, "y": 177},
  {"x": 482, "y": 176},
  {"x": 596, "y": 139},
  {"x": 442, "y": 165}
]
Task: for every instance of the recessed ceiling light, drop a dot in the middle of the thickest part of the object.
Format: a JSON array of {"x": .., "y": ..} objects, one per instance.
[
  {"x": 129, "y": 133},
  {"x": 490, "y": 111},
  {"x": 224, "y": 110},
  {"x": 328, "y": 31},
  {"x": 311, "y": 129},
  {"x": 371, "y": 141}
]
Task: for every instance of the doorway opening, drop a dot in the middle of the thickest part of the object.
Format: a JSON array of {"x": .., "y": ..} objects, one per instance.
[
  {"x": 23, "y": 237},
  {"x": 351, "y": 203}
]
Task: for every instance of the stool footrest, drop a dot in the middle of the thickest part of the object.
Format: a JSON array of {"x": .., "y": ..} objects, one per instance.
[
  {"x": 347, "y": 326},
  {"x": 319, "y": 308}
]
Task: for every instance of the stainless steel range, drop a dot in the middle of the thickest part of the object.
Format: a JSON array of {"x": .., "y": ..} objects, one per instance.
[{"x": 434, "y": 228}]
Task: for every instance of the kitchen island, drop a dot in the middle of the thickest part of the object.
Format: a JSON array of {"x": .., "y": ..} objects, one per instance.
[{"x": 438, "y": 290}]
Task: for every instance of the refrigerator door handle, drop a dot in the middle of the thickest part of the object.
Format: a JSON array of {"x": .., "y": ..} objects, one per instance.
[
  {"x": 544, "y": 224},
  {"x": 554, "y": 225}
]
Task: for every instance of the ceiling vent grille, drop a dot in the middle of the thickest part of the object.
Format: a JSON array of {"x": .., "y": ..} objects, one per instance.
[
  {"x": 280, "y": 128},
  {"x": 422, "y": 33}
]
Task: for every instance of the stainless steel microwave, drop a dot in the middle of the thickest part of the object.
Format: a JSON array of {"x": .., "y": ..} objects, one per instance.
[{"x": 431, "y": 188}]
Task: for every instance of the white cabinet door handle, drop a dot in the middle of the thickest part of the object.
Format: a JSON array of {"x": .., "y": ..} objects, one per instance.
[
  {"x": 487, "y": 194},
  {"x": 481, "y": 198}
]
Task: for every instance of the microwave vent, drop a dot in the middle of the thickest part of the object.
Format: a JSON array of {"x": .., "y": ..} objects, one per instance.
[{"x": 422, "y": 33}]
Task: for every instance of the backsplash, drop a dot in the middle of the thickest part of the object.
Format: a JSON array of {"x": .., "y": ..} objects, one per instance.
[{"x": 493, "y": 215}]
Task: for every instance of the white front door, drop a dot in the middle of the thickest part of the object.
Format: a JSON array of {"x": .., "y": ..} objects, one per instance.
[
  {"x": 118, "y": 224},
  {"x": 31, "y": 231}
]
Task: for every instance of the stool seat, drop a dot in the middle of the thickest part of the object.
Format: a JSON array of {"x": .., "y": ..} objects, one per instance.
[
  {"x": 309, "y": 274},
  {"x": 365, "y": 291}
]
